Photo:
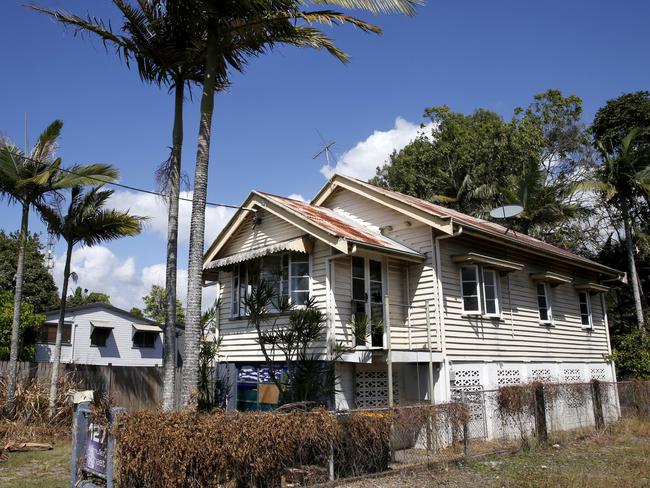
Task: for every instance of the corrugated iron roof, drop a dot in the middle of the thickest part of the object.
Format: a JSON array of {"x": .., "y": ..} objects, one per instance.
[
  {"x": 340, "y": 226},
  {"x": 482, "y": 225}
]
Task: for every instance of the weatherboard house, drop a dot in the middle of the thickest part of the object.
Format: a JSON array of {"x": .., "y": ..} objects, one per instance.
[
  {"x": 477, "y": 305},
  {"x": 101, "y": 334}
]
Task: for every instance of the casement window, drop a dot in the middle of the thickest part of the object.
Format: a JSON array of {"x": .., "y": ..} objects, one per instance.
[
  {"x": 544, "y": 304},
  {"x": 99, "y": 336},
  {"x": 585, "y": 310},
  {"x": 287, "y": 274},
  {"x": 145, "y": 340},
  {"x": 480, "y": 291},
  {"x": 48, "y": 334}
]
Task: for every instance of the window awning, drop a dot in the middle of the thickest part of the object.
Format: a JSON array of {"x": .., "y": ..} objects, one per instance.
[
  {"x": 551, "y": 278},
  {"x": 499, "y": 264},
  {"x": 102, "y": 324},
  {"x": 145, "y": 329},
  {"x": 591, "y": 287},
  {"x": 299, "y": 244}
]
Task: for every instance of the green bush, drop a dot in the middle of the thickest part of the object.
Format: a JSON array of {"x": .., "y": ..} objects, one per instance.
[{"x": 632, "y": 356}]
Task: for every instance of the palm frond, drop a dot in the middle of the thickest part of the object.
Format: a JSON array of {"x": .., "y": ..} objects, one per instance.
[
  {"x": 376, "y": 7},
  {"x": 106, "y": 225}
]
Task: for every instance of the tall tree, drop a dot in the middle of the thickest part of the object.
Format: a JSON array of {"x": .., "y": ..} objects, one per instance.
[
  {"x": 237, "y": 30},
  {"x": 88, "y": 222},
  {"x": 155, "y": 306},
  {"x": 614, "y": 121},
  {"x": 81, "y": 296},
  {"x": 27, "y": 179},
  {"x": 167, "y": 42},
  {"x": 625, "y": 180},
  {"x": 39, "y": 289}
]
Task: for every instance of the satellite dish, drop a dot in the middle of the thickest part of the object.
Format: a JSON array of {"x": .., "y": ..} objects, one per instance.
[{"x": 506, "y": 211}]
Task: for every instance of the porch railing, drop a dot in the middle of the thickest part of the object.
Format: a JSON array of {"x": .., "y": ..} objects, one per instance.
[{"x": 412, "y": 327}]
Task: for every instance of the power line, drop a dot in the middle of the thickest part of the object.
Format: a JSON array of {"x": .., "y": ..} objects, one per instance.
[{"x": 141, "y": 190}]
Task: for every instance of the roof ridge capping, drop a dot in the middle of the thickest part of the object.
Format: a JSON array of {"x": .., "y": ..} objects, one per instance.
[{"x": 475, "y": 224}]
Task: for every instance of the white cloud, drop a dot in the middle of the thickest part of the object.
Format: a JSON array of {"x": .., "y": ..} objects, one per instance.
[
  {"x": 297, "y": 196},
  {"x": 362, "y": 160},
  {"x": 100, "y": 270},
  {"x": 155, "y": 208}
]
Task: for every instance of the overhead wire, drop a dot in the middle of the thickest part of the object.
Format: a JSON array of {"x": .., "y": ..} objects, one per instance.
[{"x": 141, "y": 190}]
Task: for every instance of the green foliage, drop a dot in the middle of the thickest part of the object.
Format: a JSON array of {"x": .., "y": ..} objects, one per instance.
[
  {"x": 289, "y": 344},
  {"x": 137, "y": 312},
  {"x": 213, "y": 388},
  {"x": 618, "y": 117},
  {"x": 631, "y": 353},
  {"x": 81, "y": 296},
  {"x": 475, "y": 162},
  {"x": 155, "y": 306},
  {"x": 30, "y": 323},
  {"x": 39, "y": 289}
]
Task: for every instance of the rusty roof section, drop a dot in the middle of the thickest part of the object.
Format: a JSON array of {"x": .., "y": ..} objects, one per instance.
[
  {"x": 340, "y": 226},
  {"x": 484, "y": 226}
]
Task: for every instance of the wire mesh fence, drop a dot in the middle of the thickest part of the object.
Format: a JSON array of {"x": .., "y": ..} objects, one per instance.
[{"x": 304, "y": 447}]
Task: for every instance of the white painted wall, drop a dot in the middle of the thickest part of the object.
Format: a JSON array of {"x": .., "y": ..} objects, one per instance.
[{"x": 119, "y": 350}]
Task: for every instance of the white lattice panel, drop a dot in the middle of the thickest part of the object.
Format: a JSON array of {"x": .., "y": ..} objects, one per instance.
[
  {"x": 572, "y": 375},
  {"x": 372, "y": 389},
  {"x": 506, "y": 377},
  {"x": 543, "y": 375},
  {"x": 598, "y": 374},
  {"x": 467, "y": 377}
]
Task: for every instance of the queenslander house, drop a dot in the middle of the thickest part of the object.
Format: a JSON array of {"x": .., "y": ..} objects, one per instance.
[
  {"x": 101, "y": 334},
  {"x": 479, "y": 305}
]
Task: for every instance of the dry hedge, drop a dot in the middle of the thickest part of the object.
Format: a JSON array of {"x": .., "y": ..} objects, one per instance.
[{"x": 189, "y": 449}]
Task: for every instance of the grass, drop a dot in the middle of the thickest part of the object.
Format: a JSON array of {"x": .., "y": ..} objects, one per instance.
[
  {"x": 37, "y": 469},
  {"x": 620, "y": 456}
]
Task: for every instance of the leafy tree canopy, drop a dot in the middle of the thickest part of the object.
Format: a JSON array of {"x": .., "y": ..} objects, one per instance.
[
  {"x": 81, "y": 296},
  {"x": 614, "y": 121},
  {"x": 39, "y": 289},
  {"x": 475, "y": 162},
  {"x": 137, "y": 312},
  {"x": 155, "y": 306},
  {"x": 30, "y": 323}
]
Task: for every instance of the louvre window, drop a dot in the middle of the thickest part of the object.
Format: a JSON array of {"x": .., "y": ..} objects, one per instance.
[
  {"x": 585, "y": 310},
  {"x": 544, "y": 304}
]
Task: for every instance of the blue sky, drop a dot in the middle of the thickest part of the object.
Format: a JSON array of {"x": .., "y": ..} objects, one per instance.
[{"x": 466, "y": 54}]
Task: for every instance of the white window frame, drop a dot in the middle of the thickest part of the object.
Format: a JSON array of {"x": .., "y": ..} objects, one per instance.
[
  {"x": 368, "y": 302},
  {"x": 480, "y": 290},
  {"x": 497, "y": 295},
  {"x": 479, "y": 298},
  {"x": 590, "y": 325},
  {"x": 236, "y": 306},
  {"x": 549, "y": 305}
]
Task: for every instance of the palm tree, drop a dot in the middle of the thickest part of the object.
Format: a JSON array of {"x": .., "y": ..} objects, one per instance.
[
  {"x": 87, "y": 222},
  {"x": 237, "y": 30},
  {"x": 27, "y": 179},
  {"x": 624, "y": 179},
  {"x": 167, "y": 44}
]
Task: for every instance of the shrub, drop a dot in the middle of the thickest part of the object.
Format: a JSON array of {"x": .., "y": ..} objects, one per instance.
[
  {"x": 189, "y": 449},
  {"x": 363, "y": 445}
]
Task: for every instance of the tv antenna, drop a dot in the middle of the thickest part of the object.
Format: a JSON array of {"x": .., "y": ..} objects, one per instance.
[{"x": 326, "y": 149}]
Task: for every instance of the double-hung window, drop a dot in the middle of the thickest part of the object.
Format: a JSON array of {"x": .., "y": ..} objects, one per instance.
[
  {"x": 287, "y": 274},
  {"x": 585, "y": 310},
  {"x": 480, "y": 291},
  {"x": 544, "y": 304}
]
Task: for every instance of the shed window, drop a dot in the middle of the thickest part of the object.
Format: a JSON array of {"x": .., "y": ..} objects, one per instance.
[
  {"x": 585, "y": 310},
  {"x": 99, "y": 336},
  {"x": 287, "y": 274},
  {"x": 544, "y": 304},
  {"x": 48, "y": 333},
  {"x": 145, "y": 340},
  {"x": 480, "y": 291}
]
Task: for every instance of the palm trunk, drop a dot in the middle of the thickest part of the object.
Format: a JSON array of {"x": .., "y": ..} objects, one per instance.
[
  {"x": 56, "y": 358},
  {"x": 197, "y": 227},
  {"x": 15, "y": 325},
  {"x": 629, "y": 247},
  {"x": 169, "y": 348}
]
